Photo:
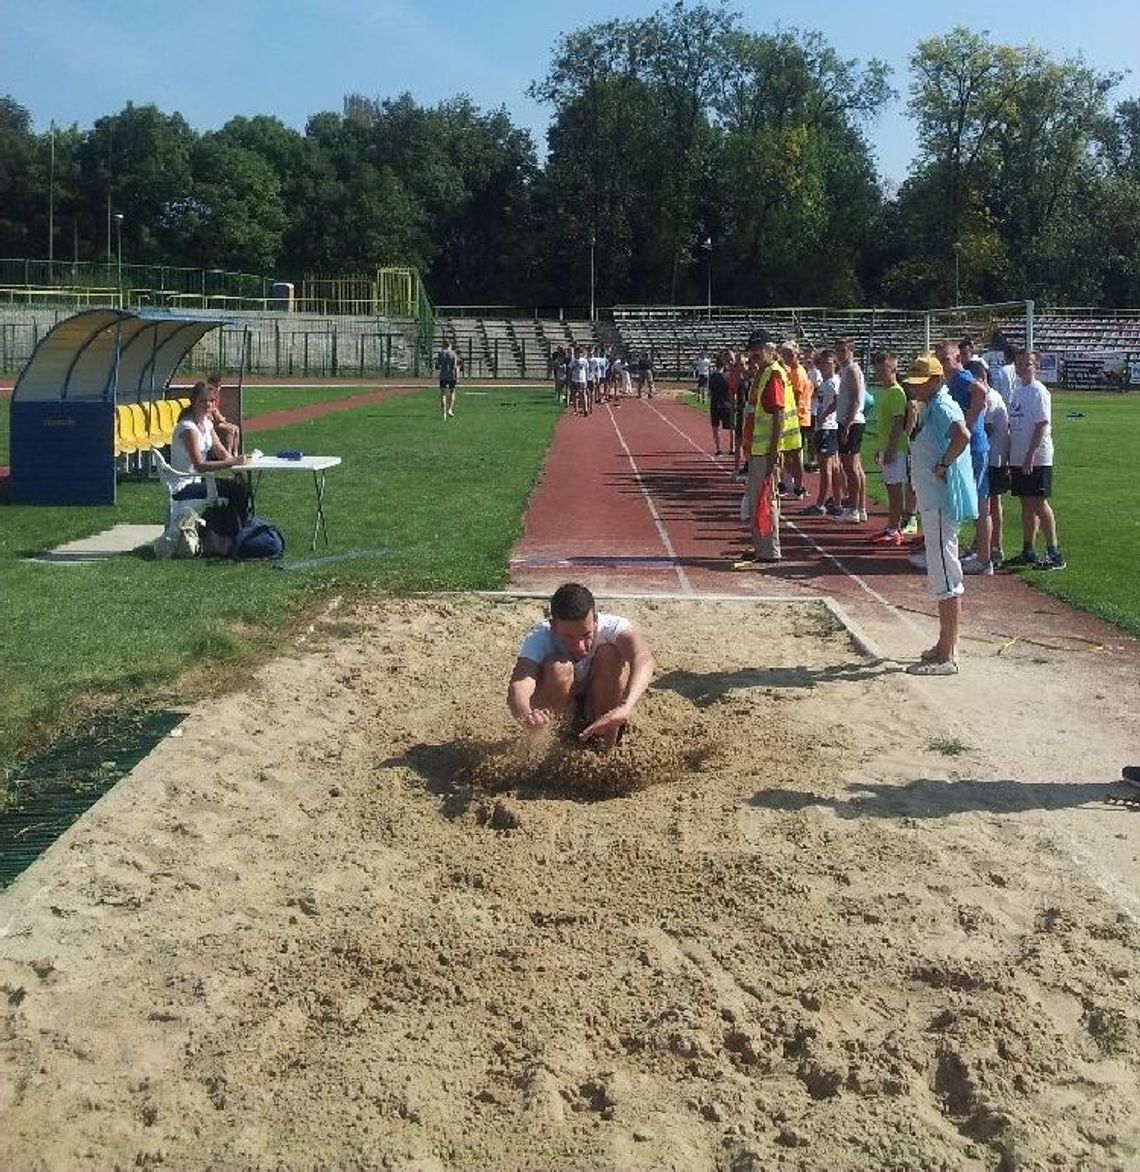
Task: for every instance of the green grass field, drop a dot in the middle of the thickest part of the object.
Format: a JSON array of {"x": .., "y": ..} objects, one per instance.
[{"x": 444, "y": 501}]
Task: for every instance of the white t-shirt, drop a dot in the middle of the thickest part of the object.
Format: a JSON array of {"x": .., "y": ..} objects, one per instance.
[
  {"x": 702, "y": 366},
  {"x": 1003, "y": 379},
  {"x": 997, "y": 426},
  {"x": 542, "y": 643},
  {"x": 180, "y": 459},
  {"x": 578, "y": 369},
  {"x": 852, "y": 391},
  {"x": 1032, "y": 404},
  {"x": 828, "y": 395}
]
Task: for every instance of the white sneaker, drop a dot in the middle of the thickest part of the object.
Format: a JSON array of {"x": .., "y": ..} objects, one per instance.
[
  {"x": 971, "y": 565},
  {"x": 851, "y": 515},
  {"x": 863, "y": 515}
]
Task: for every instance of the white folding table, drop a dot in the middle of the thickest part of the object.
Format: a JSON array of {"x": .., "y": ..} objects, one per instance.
[{"x": 317, "y": 465}]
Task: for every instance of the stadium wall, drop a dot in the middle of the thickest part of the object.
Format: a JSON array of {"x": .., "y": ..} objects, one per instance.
[{"x": 280, "y": 345}]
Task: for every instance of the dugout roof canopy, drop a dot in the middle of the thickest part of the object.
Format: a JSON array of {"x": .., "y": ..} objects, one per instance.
[{"x": 110, "y": 355}]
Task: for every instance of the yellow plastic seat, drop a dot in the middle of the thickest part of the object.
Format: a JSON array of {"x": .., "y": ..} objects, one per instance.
[{"x": 142, "y": 427}]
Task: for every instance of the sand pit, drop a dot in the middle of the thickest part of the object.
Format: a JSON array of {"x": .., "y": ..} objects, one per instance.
[{"x": 342, "y": 921}]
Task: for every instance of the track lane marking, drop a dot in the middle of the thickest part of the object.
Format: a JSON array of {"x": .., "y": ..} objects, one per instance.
[
  {"x": 662, "y": 532},
  {"x": 869, "y": 589}
]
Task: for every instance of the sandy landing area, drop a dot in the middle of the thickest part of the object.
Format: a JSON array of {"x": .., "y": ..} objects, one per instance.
[{"x": 822, "y": 929}]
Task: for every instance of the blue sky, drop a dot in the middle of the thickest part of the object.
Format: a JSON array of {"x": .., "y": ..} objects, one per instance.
[{"x": 73, "y": 60}]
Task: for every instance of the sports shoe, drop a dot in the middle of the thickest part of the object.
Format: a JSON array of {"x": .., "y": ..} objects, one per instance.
[
  {"x": 800, "y": 493},
  {"x": 1021, "y": 559},
  {"x": 933, "y": 667},
  {"x": 888, "y": 537},
  {"x": 911, "y": 527},
  {"x": 1130, "y": 775},
  {"x": 854, "y": 516},
  {"x": 814, "y": 511},
  {"x": 1051, "y": 561},
  {"x": 971, "y": 565},
  {"x": 863, "y": 516},
  {"x": 836, "y": 511},
  {"x": 997, "y": 559}
]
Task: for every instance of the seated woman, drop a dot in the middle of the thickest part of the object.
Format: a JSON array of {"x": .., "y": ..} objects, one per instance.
[{"x": 198, "y": 446}]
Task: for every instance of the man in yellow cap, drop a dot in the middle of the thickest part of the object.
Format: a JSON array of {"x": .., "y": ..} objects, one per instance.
[{"x": 947, "y": 496}]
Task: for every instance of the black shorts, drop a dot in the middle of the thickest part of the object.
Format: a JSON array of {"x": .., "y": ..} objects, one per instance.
[
  {"x": 854, "y": 442},
  {"x": 720, "y": 414},
  {"x": 827, "y": 442},
  {"x": 738, "y": 421},
  {"x": 999, "y": 479},
  {"x": 447, "y": 384},
  {"x": 702, "y": 381},
  {"x": 1038, "y": 483},
  {"x": 807, "y": 437}
]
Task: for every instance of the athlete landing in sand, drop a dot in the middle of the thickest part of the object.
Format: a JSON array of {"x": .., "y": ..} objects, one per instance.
[{"x": 580, "y": 667}]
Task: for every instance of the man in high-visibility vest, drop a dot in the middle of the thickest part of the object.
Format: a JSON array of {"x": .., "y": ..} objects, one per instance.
[{"x": 771, "y": 426}]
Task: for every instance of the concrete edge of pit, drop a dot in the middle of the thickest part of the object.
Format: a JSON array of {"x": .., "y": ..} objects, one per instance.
[{"x": 859, "y": 637}]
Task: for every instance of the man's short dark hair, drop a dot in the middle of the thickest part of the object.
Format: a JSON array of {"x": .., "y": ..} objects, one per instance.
[
  {"x": 571, "y": 602},
  {"x": 883, "y": 356}
]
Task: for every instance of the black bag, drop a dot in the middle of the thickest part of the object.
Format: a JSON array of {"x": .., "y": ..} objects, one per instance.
[
  {"x": 258, "y": 539},
  {"x": 224, "y": 520}
]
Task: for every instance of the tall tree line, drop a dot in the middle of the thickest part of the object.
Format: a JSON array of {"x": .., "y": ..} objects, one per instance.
[{"x": 685, "y": 152}]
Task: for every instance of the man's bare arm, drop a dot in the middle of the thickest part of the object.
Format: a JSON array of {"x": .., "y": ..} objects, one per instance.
[
  {"x": 635, "y": 651},
  {"x": 520, "y": 692}
]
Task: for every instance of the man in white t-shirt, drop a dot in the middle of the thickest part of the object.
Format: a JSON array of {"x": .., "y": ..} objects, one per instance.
[
  {"x": 1031, "y": 465},
  {"x": 849, "y": 412},
  {"x": 827, "y": 437},
  {"x": 702, "y": 368},
  {"x": 580, "y": 666}
]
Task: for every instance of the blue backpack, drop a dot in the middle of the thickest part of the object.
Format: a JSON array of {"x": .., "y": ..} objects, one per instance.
[{"x": 258, "y": 539}]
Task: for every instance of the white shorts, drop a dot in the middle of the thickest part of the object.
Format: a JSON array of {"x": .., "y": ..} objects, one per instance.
[
  {"x": 943, "y": 569},
  {"x": 897, "y": 471}
]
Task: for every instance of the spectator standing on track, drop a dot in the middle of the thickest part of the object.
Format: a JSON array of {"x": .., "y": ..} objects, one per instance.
[
  {"x": 849, "y": 411},
  {"x": 811, "y": 463},
  {"x": 450, "y": 367},
  {"x": 771, "y": 426},
  {"x": 580, "y": 667},
  {"x": 997, "y": 431},
  {"x": 893, "y": 458},
  {"x": 802, "y": 389},
  {"x": 1031, "y": 465},
  {"x": 702, "y": 368},
  {"x": 970, "y": 395},
  {"x": 560, "y": 367},
  {"x": 645, "y": 374},
  {"x": 579, "y": 382},
  {"x": 827, "y": 438},
  {"x": 737, "y": 375},
  {"x": 944, "y": 484},
  {"x": 720, "y": 407}
]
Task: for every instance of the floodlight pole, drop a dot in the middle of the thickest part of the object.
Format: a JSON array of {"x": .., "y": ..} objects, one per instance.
[
  {"x": 119, "y": 245},
  {"x": 707, "y": 246},
  {"x": 593, "y": 242},
  {"x": 957, "y": 273}
]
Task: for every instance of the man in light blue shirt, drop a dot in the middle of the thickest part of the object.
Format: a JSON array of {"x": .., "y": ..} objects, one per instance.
[{"x": 944, "y": 484}]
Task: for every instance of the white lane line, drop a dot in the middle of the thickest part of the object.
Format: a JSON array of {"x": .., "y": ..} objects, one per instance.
[
  {"x": 663, "y": 533},
  {"x": 870, "y": 590}
]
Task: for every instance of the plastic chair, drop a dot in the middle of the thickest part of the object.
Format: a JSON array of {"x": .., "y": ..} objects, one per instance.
[
  {"x": 126, "y": 441},
  {"x": 172, "y": 480}
]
